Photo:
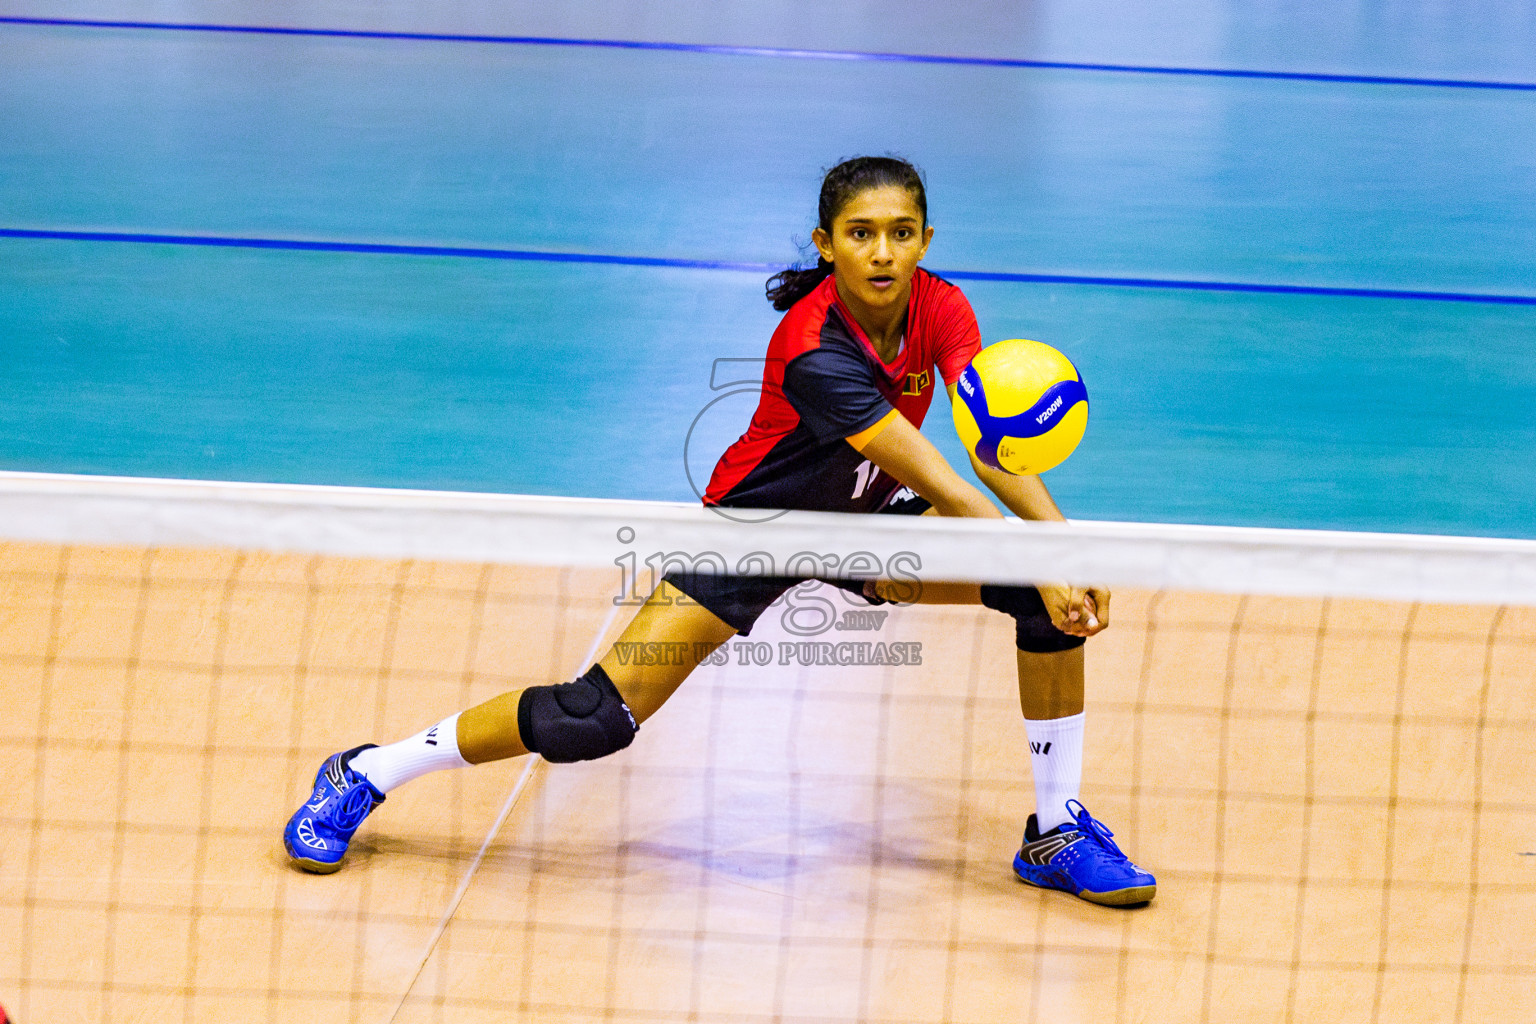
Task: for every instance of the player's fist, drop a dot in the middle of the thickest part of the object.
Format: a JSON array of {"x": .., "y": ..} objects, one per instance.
[{"x": 1076, "y": 611}]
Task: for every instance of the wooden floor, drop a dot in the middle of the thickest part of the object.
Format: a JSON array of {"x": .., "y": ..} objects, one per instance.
[{"x": 1336, "y": 798}]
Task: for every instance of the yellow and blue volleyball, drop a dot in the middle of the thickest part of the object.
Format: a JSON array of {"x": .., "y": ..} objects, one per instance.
[{"x": 1021, "y": 407}]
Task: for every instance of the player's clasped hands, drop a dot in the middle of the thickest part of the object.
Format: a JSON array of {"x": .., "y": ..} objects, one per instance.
[{"x": 1077, "y": 611}]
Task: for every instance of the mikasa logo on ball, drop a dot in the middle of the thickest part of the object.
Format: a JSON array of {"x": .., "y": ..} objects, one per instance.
[
  {"x": 966, "y": 385},
  {"x": 1047, "y": 414}
]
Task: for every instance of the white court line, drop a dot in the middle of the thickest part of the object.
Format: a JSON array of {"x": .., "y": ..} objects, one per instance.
[{"x": 534, "y": 760}]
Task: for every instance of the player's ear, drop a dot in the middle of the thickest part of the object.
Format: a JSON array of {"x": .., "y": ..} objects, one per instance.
[
  {"x": 927, "y": 240},
  {"x": 823, "y": 243}
]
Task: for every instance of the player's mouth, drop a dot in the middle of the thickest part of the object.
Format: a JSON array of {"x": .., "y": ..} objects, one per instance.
[{"x": 882, "y": 281}]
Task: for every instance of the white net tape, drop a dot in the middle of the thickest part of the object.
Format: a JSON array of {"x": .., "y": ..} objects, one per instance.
[{"x": 580, "y": 532}]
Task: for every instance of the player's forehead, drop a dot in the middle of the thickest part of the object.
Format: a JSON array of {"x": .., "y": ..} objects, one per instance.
[{"x": 885, "y": 204}]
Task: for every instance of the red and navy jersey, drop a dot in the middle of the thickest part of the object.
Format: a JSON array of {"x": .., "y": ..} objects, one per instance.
[{"x": 824, "y": 384}]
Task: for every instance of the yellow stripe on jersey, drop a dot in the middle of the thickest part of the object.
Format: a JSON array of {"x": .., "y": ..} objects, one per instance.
[{"x": 867, "y": 435}]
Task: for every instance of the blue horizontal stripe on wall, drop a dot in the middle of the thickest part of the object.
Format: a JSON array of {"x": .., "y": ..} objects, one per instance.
[
  {"x": 766, "y": 51},
  {"x": 532, "y": 255}
]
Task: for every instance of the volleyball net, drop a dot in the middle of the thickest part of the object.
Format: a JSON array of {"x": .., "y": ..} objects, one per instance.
[{"x": 1320, "y": 743}]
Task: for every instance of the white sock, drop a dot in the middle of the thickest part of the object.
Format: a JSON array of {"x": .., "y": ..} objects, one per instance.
[
  {"x": 430, "y": 750},
  {"x": 1056, "y": 755}
]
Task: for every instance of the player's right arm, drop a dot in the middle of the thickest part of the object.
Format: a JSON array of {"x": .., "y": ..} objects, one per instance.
[
  {"x": 898, "y": 448},
  {"x": 832, "y": 390},
  {"x": 901, "y": 451}
]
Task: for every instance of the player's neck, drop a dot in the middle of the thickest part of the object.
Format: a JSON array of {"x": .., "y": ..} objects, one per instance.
[
  {"x": 887, "y": 343},
  {"x": 884, "y": 327}
]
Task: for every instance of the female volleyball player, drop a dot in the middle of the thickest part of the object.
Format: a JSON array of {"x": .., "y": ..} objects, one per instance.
[{"x": 849, "y": 378}]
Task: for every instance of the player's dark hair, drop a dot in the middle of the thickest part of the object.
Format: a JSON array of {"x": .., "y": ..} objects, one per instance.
[{"x": 841, "y": 184}]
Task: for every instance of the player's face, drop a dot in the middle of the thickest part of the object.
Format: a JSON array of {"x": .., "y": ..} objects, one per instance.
[{"x": 875, "y": 243}]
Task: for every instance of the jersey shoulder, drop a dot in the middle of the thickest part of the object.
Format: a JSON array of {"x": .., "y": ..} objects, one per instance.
[
  {"x": 938, "y": 293},
  {"x": 803, "y": 325},
  {"x": 946, "y": 326}
]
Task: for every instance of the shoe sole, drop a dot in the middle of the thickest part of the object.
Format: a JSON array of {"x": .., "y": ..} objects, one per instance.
[
  {"x": 315, "y": 867},
  {"x": 1132, "y": 897},
  {"x": 1121, "y": 897}
]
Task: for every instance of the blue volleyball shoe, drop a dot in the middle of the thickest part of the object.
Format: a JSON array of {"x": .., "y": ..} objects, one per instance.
[
  {"x": 318, "y": 834},
  {"x": 1081, "y": 858}
]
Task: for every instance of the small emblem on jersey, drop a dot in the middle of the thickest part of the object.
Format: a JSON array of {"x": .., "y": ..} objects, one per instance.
[{"x": 917, "y": 383}]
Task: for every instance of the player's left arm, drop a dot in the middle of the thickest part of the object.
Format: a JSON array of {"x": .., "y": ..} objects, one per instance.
[
  {"x": 1080, "y": 611},
  {"x": 1025, "y": 496}
]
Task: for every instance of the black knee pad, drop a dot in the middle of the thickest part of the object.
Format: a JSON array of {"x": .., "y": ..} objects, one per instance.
[
  {"x": 579, "y": 721},
  {"x": 1035, "y": 632}
]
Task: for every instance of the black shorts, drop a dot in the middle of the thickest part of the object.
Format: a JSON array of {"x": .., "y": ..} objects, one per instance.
[{"x": 739, "y": 601}]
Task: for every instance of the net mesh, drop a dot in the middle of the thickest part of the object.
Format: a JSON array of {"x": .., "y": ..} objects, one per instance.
[{"x": 1333, "y": 792}]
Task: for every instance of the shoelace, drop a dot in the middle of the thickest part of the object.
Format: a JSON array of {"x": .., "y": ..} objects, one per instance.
[
  {"x": 352, "y": 808},
  {"x": 1093, "y": 828}
]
